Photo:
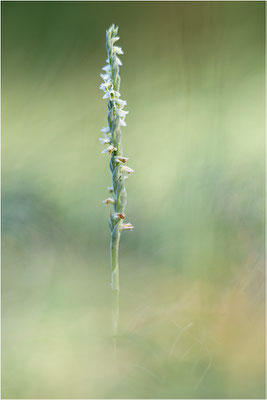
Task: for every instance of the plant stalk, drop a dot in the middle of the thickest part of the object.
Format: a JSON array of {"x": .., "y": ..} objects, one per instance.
[
  {"x": 113, "y": 138},
  {"x": 115, "y": 284}
]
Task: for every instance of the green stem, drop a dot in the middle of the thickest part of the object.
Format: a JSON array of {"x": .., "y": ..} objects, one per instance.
[{"x": 115, "y": 238}]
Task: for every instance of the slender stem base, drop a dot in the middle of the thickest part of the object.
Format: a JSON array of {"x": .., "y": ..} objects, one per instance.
[
  {"x": 115, "y": 238},
  {"x": 114, "y": 247},
  {"x": 115, "y": 312}
]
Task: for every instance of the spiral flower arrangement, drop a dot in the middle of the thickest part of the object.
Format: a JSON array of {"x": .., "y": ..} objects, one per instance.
[{"x": 112, "y": 139}]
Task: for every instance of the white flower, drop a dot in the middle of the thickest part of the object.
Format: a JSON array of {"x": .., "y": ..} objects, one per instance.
[
  {"x": 106, "y": 86},
  {"x": 105, "y": 77},
  {"x": 122, "y": 103},
  {"x": 127, "y": 170},
  {"x": 109, "y": 200},
  {"x": 122, "y": 122},
  {"x": 117, "y": 50},
  {"x": 106, "y": 68},
  {"x": 121, "y": 113},
  {"x": 104, "y": 140},
  {"x": 119, "y": 215},
  {"x": 105, "y": 130},
  {"x": 115, "y": 39},
  {"x": 110, "y": 189},
  {"x": 114, "y": 94},
  {"x": 122, "y": 159},
  {"x": 118, "y": 61},
  {"x": 106, "y": 96},
  {"x": 111, "y": 94},
  {"x": 128, "y": 226},
  {"x": 109, "y": 149}
]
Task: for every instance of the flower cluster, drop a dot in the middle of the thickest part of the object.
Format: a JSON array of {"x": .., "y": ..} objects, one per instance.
[
  {"x": 111, "y": 137},
  {"x": 111, "y": 83}
]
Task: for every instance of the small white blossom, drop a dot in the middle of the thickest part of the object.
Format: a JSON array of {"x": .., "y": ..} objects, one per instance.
[
  {"x": 111, "y": 94},
  {"x": 104, "y": 140},
  {"x": 122, "y": 103},
  {"x": 109, "y": 200},
  {"x": 106, "y": 86},
  {"x": 122, "y": 122},
  {"x": 117, "y": 50},
  {"x": 115, "y": 39},
  {"x": 114, "y": 94},
  {"x": 127, "y": 170},
  {"x": 128, "y": 227},
  {"x": 109, "y": 149},
  {"x": 106, "y": 96},
  {"x": 122, "y": 159},
  {"x": 106, "y": 68},
  {"x": 105, "y": 77},
  {"x": 121, "y": 113},
  {"x": 119, "y": 215},
  {"x": 118, "y": 61},
  {"x": 105, "y": 130}
]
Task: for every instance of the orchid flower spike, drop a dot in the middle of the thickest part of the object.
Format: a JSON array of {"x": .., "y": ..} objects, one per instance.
[{"x": 113, "y": 139}]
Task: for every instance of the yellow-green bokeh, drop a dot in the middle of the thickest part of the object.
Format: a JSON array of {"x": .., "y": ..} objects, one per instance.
[{"x": 192, "y": 271}]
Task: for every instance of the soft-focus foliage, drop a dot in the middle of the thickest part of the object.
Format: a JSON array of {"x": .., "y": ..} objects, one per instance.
[{"x": 192, "y": 275}]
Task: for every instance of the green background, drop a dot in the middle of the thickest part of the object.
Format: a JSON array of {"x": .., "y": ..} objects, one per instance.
[{"x": 192, "y": 271}]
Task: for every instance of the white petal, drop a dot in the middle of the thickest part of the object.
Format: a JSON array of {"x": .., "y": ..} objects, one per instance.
[
  {"x": 128, "y": 227},
  {"x": 115, "y": 39},
  {"x": 122, "y": 159},
  {"x": 106, "y": 68},
  {"x": 109, "y": 200},
  {"x": 126, "y": 169},
  {"x": 104, "y": 140},
  {"x": 109, "y": 149},
  {"x": 121, "y": 102},
  {"x": 105, "y": 130},
  {"x": 113, "y": 95},
  {"x": 118, "y": 61},
  {"x": 106, "y": 77},
  {"x": 117, "y": 50},
  {"x": 121, "y": 113},
  {"x": 122, "y": 122},
  {"x": 106, "y": 85}
]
